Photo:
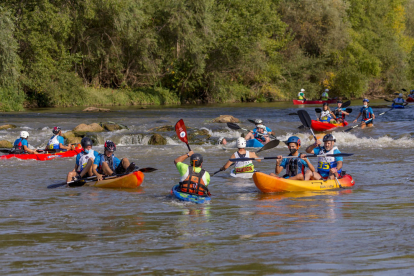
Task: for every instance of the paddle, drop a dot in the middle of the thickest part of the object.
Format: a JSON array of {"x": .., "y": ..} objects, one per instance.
[
  {"x": 307, "y": 155},
  {"x": 181, "y": 131},
  {"x": 253, "y": 122},
  {"x": 235, "y": 127},
  {"x": 7, "y": 150},
  {"x": 82, "y": 182},
  {"x": 307, "y": 122}
]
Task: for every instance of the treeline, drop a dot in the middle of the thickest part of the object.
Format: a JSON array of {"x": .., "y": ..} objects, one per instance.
[{"x": 70, "y": 52}]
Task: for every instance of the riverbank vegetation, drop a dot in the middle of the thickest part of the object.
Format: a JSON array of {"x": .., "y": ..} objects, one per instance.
[{"x": 107, "y": 52}]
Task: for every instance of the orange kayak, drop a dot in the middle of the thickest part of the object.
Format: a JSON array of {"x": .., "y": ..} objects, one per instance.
[
  {"x": 270, "y": 184},
  {"x": 129, "y": 181}
]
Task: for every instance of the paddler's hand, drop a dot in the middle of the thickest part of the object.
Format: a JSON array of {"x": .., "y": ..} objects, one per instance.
[
  {"x": 302, "y": 156},
  {"x": 333, "y": 170},
  {"x": 99, "y": 177},
  {"x": 35, "y": 152},
  {"x": 222, "y": 168},
  {"x": 279, "y": 159},
  {"x": 190, "y": 153},
  {"x": 354, "y": 121}
]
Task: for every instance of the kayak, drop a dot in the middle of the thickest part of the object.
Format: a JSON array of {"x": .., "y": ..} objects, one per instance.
[
  {"x": 189, "y": 197},
  {"x": 397, "y": 106},
  {"x": 313, "y": 102},
  {"x": 129, "y": 181},
  {"x": 43, "y": 156},
  {"x": 321, "y": 126},
  {"x": 241, "y": 175},
  {"x": 410, "y": 100},
  {"x": 270, "y": 184},
  {"x": 254, "y": 143}
]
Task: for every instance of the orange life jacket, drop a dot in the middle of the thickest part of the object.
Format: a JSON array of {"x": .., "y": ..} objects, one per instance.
[{"x": 194, "y": 183}]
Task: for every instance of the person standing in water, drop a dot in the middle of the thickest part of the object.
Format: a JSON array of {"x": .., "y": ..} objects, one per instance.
[{"x": 367, "y": 113}]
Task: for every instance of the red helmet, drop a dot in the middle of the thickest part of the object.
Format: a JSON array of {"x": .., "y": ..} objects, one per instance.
[{"x": 110, "y": 146}]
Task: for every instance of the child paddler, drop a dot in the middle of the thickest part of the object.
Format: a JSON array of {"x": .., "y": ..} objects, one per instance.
[
  {"x": 84, "y": 161},
  {"x": 367, "y": 113},
  {"x": 57, "y": 142},
  {"x": 241, "y": 166},
  {"x": 194, "y": 180},
  {"x": 295, "y": 167},
  {"x": 340, "y": 112},
  {"x": 21, "y": 145},
  {"x": 107, "y": 164}
]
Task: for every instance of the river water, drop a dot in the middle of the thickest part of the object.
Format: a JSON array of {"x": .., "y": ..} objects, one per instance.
[{"x": 366, "y": 230}]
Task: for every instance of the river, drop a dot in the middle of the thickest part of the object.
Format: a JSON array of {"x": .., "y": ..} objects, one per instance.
[{"x": 366, "y": 230}]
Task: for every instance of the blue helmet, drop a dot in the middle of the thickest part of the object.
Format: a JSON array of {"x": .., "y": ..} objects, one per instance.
[
  {"x": 411, "y": 91},
  {"x": 294, "y": 139},
  {"x": 365, "y": 100}
]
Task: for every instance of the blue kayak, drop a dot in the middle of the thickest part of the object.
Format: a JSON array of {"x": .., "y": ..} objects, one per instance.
[
  {"x": 253, "y": 143},
  {"x": 398, "y": 106},
  {"x": 189, "y": 197}
]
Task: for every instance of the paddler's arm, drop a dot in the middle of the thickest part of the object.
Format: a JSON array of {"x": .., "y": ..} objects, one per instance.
[
  {"x": 99, "y": 176},
  {"x": 278, "y": 168},
  {"x": 183, "y": 157},
  {"x": 312, "y": 147},
  {"x": 29, "y": 150},
  {"x": 333, "y": 115},
  {"x": 62, "y": 146},
  {"x": 360, "y": 113},
  {"x": 303, "y": 157},
  {"x": 228, "y": 163},
  {"x": 338, "y": 167},
  {"x": 253, "y": 155}
]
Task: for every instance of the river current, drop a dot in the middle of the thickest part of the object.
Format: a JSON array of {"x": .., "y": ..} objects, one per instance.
[{"x": 366, "y": 230}]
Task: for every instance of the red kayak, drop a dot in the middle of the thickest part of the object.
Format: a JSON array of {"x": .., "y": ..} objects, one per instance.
[
  {"x": 43, "y": 156},
  {"x": 313, "y": 102},
  {"x": 410, "y": 100},
  {"x": 321, "y": 126}
]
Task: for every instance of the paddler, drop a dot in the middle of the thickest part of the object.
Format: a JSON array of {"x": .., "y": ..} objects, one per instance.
[
  {"x": 260, "y": 122},
  {"x": 261, "y": 134},
  {"x": 84, "y": 161},
  {"x": 21, "y": 145},
  {"x": 411, "y": 95},
  {"x": 399, "y": 100},
  {"x": 367, "y": 113},
  {"x": 295, "y": 167},
  {"x": 107, "y": 164},
  {"x": 245, "y": 166},
  {"x": 326, "y": 116},
  {"x": 325, "y": 95},
  {"x": 57, "y": 142},
  {"x": 194, "y": 179},
  {"x": 340, "y": 112},
  {"x": 301, "y": 95},
  {"x": 325, "y": 170}
]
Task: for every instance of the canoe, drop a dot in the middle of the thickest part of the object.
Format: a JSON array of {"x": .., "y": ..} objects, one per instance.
[
  {"x": 321, "y": 126},
  {"x": 188, "y": 197},
  {"x": 254, "y": 143},
  {"x": 397, "y": 106},
  {"x": 129, "y": 181},
  {"x": 43, "y": 156},
  {"x": 241, "y": 175},
  {"x": 313, "y": 102},
  {"x": 270, "y": 184},
  {"x": 410, "y": 100}
]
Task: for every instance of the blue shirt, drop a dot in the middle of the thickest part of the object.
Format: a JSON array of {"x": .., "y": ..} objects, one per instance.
[
  {"x": 100, "y": 159},
  {"x": 301, "y": 164},
  {"x": 369, "y": 113},
  {"x": 24, "y": 142}
]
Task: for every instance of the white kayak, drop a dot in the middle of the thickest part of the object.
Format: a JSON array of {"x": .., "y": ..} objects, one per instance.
[{"x": 241, "y": 175}]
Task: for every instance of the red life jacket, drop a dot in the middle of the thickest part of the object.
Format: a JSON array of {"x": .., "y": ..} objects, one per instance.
[{"x": 194, "y": 183}]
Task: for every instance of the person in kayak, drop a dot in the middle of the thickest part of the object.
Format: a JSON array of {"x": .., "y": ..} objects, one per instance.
[
  {"x": 368, "y": 115},
  {"x": 411, "y": 95},
  {"x": 295, "y": 167},
  {"x": 242, "y": 166},
  {"x": 84, "y": 161},
  {"x": 194, "y": 179},
  {"x": 340, "y": 112},
  {"x": 21, "y": 145},
  {"x": 399, "y": 100},
  {"x": 301, "y": 95},
  {"x": 325, "y": 170},
  {"x": 107, "y": 164},
  {"x": 325, "y": 95},
  {"x": 326, "y": 116},
  {"x": 261, "y": 134},
  {"x": 258, "y": 122},
  {"x": 57, "y": 142}
]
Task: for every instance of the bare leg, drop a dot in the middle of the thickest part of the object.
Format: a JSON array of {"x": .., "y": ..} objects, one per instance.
[
  {"x": 297, "y": 177},
  {"x": 87, "y": 169},
  {"x": 125, "y": 163},
  {"x": 249, "y": 136},
  {"x": 363, "y": 125},
  {"x": 106, "y": 170},
  {"x": 267, "y": 140},
  {"x": 370, "y": 125},
  {"x": 71, "y": 175}
]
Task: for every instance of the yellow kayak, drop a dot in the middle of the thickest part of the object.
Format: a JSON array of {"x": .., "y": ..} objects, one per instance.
[
  {"x": 129, "y": 181},
  {"x": 271, "y": 184}
]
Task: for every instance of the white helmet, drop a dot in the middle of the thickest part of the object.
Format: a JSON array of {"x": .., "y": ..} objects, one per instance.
[
  {"x": 400, "y": 96},
  {"x": 258, "y": 121},
  {"x": 241, "y": 143},
  {"x": 302, "y": 90},
  {"x": 261, "y": 126},
  {"x": 326, "y": 90},
  {"x": 24, "y": 134}
]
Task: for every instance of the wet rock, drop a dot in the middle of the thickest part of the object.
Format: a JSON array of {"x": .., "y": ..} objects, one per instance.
[
  {"x": 111, "y": 127},
  {"x": 82, "y": 129},
  {"x": 198, "y": 136},
  {"x": 68, "y": 134},
  {"x": 157, "y": 139},
  {"x": 73, "y": 140},
  {"x": 162, "y": 128},
  {"x": 226, "y": 119},
  {"x": 96, "y": 109},
  {"x": 7, "y": 126},
  {"x": 5, "y": 144}
]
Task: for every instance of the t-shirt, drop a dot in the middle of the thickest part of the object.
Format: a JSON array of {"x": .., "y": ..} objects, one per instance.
[
  {"x": 95, "y": 153},
  {"x": 301, "y": 163},
  {"x": 101, "y": 158},
  {"x": 399, "y": 100},
  {"x": 183, "y": 170},
  {"x": 24, "y": 142},
  {"x": 368, "y": 111}
]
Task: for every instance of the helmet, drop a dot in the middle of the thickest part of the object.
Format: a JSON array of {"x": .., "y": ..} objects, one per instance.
[
  {"x": 326, "y": 90},
  {"x": 86, "y": 141},
  {"x": 294, "y": 139},
  {"x": 258, "y": 121},
  {"x": 196, "y": 159},
  {"x": 339, "y": 101},
  {"x": 261, "y": 126},
  {"x": 400, "y": 96},
  {"x": 365, "y": 100},
  {"x": 325, "y": 104},
  {"x": 329, "y": 137},
  {"x": 411, "y": 91},
  {"x": 56, "y": 130},
  {"x": 110, "y": 146},
  {"x": 241, "y": 143},
  {"x": 24, "y": 134},
  {"x": 302, "y": 90}
]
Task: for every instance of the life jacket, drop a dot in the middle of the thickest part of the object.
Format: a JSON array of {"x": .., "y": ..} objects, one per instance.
[
  {"x": 109, "y": 160},
  {"x": 325, "y": 96},
  {"x": 325, "y": 116},
  {"x": 292, "y": 167},
  {"x": 53, "y": 142},
  {"x": 300, "y": 96},
  {"x": 194, "y": 183},
  {"x": 83, "y": 160},
  {"x": 366, "y": 115},
  {"x": 260, "y": 136},
  {"x": 18, "y": 148},
  {"x": 243, "y": 166},
  {"x": 323, "y": 167},
  {"x": 339, "y": 114},
  {"x": 399, "y": 101}
]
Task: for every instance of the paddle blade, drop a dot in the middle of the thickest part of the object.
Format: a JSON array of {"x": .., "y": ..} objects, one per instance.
[
  {"x": 318, "y": 110},
  {"x": 346, "y": 104},
  {"x": 233, "y": 126},
  {"x": 305, "y": 118},
  {"x": 251, "y": 121},
  {"x": 404, "y": 90},
  {"x": 181, "y": 131},
  {"x": 349, "y": 110},
  {"x": 147, "y": 170},
  {"x": 293, "y": 113},
  {"x": 271, "y": 144},
  {"x": 56, "y": 185}
]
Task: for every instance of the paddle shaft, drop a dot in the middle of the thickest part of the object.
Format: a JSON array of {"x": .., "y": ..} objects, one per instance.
[{"x": 289, "y": 157}]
